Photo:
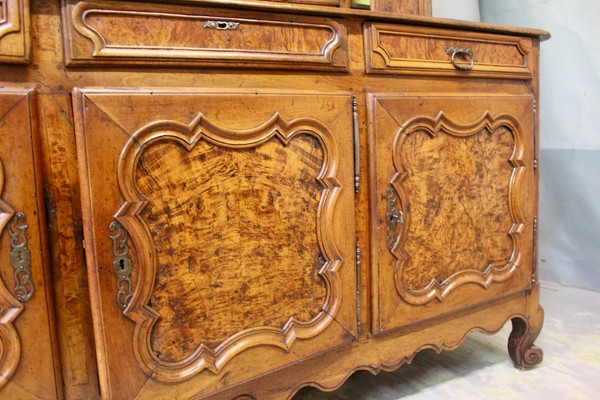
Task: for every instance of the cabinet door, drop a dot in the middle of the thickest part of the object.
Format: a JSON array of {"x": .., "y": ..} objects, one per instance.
[
  {"x": 219, "y": 233},
  {"x": 26, "y": 326},
  {"x": 453, "y": 203}
]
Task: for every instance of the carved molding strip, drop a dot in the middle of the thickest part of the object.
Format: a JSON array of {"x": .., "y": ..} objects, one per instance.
[
  {"x": 494, "y": 272},
  {"x": 445, "y": 343},
  {"x": 10, "y": 308},
  {"x": 9, "y": 17},
  {"x": 129, "y": 216},
  {"x": 316, "y": 41}
]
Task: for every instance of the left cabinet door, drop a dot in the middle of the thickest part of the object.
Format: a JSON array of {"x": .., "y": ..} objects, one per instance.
[
  {"x": 27, "y": 347},
  {"x": 219, "y": 233}
]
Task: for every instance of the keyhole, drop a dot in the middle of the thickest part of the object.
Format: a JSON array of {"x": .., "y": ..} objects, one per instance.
[
  {"x": 222, "y": 25},
  {"x": 122, "y": 264}
]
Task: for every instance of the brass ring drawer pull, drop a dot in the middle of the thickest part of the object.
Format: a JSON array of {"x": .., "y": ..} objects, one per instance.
[
  {"x": 221, "y": 25},
  {"x": 466, "y": 53}
]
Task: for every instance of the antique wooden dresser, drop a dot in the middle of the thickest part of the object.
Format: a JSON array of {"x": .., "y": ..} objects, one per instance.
[{"x": 235, "y": 199}]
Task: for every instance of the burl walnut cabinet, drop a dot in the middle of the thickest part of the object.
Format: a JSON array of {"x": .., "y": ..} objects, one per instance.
[{"x": 228, "y": 199}]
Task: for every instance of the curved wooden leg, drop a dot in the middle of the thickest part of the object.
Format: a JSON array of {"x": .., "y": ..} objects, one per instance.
[{"x": 523, "y": 352}]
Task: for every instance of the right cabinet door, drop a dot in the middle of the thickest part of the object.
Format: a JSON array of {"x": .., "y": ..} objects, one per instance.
[{"x": 453, "y": 202}]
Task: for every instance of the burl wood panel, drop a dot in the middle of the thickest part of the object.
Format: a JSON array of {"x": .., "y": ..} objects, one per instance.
[
  {"x": 239, "y": 211},
  {"x": 411, "y": 7},
  {"x": 134, "y": 32},
  {"x": 234, "y": 235},
  {"x": 424, "y": 51},
  {"x": 14, "y": 31},
  {"x": 27, "y": 338},
  {"x": 456, "y": 187},
  {"x": 460, "y": 171}
]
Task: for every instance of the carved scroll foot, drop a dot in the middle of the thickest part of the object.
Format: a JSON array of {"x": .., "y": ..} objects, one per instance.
[{"x": 523, "y": 352}]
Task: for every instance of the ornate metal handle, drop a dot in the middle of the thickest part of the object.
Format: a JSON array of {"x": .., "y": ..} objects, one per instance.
[
  {"x": 394, "y": 216},
  {"x": 20, "y": 257},
  {"x": 464, "y": 52},
  {"x": 122, "y": 264},
  {"x": 221, "y": 25}
]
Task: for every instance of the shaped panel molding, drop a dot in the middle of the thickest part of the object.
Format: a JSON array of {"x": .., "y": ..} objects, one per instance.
[
  {"x": 14, "y": 31},
  {"x": 236, "y": 235},
  {"x": 475, "y": 196},
  {"x": 453, "y": 202},
  {"x": 127, "y": 32},
  {"x": 10, "y": 307},
  {"x": 130, "y": 215}
]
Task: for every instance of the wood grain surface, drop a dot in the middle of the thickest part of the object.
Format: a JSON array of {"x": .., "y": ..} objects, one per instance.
[
  {"x": 458, "y": 196},
  {"x": 411, "y": 7},
  {"x": 160, "y": 84},
  {"x": 236, "y": 226},
  {"x": 394, "y": 49},
  {"x": 27, "y": 330},
  {"x": 201, "y": 35},
  {"x": 462, "y": 172},
  {"x": 236, "y": 238}
]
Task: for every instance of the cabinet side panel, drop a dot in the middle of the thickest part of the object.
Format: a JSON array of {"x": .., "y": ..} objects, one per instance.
[
  {"x": 24, "y": 251},
  {"x": 71, "y": 294}
]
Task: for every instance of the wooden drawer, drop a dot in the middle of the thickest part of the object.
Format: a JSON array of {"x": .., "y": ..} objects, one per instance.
[
  {"x": 145, "y": 33},
  {"x": 406, "y": 50}
]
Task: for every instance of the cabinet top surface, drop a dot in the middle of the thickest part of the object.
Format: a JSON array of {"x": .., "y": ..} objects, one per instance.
[{"x": 367, "y": 14}]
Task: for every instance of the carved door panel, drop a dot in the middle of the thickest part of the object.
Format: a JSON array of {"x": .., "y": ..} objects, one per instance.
[
  {"x": 219, "y": 233},
  {"x": 453, "y": 203},
  {"x": 26, "y": 327}
]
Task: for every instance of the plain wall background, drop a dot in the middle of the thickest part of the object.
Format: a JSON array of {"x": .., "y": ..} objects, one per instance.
[
  {"x": 467, "y": 10},
  {"x": 569, "y": 235}
]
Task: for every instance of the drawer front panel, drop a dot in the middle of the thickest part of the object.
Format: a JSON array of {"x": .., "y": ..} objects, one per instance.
[
  {"x": 426, "y": 51},
  {"x": 141, "y": 33}
]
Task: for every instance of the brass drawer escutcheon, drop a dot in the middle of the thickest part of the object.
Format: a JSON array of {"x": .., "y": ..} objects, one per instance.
[
  {"x": 122, "y": 264},
  {"x": 221, "y": 25}
]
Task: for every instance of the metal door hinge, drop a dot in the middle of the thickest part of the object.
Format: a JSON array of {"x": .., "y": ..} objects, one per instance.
[
  {"x": 358, "y": 290},
  {"x": 535, "y": 136},
  {"x": 356, "y": 145},
  {"x": 20, "y": 257},
  {"x": 534, "y": 267}
]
